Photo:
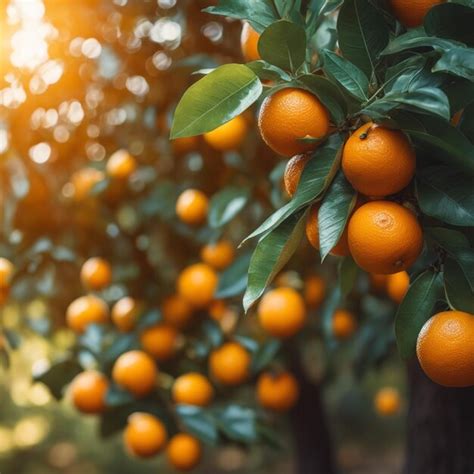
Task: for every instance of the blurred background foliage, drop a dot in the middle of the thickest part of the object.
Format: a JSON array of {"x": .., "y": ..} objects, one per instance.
[{"x": 78, "y": 83}]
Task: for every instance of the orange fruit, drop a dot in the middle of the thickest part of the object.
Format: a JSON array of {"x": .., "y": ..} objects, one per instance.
[
  {"x": 88, "y": 390},
  {"x": 96, "y": 273},
  {"x": 289, "y": 115},
  {"x": 344, "y": 324},
  {"x": 378, "y": 282},
  {"x": 184, "y": 144},
  {"x": 228, "y": 136},
  {"x": 412, "y": 12},
  {"x": 384, "y": 237},
  {"x": 191, "y": 207},
  {"x": 125, "y": 313},
  {"x": 341, "y": 249},
  {"x": 293, "y": 171},
  {"x": 183, "y": 452},
  {"x": 197, "y": 284},
  {"x": 230, "y": 364},
  {"x": 192, "y": 389},
  {"x": 314, "y": 290},
  {"x": 387, "y": 401},
  {"x": 6, "y": 273},
  {"x": 277, "y": 392},
  {"x": 249, "y": 42},
  {"x": 445, "y": 348},
  {"x": 177, "y": 311},
  {"x": 145, "y": 435},
  {"x": 136, "y": 372},
  {"x": 160, "y": 341},
  {"x": 84, "y": 180},
  {"x": 218, "y": 255},
  {"x": 121, "y": 165},
  {"x": 282, "y": 312},
  {"x": 378, "y": 161},
  {"x": 85, "y": 310},
  {"x": 397, "y": 286}
]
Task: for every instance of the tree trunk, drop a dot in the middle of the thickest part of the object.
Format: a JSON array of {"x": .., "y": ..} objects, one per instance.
[
  {"x": 313, "y": 446},
  {"x": 440, "y": 427}
]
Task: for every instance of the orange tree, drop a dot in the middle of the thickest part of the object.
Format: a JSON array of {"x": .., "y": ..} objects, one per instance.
[{"x": 132, "y": 239}]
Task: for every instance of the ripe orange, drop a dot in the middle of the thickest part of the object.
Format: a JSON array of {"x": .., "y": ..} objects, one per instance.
[
  {"x": 145, "y": 435},
  {"x": 197, "y": 284},
  {"x": 191, "y": 207},
  {"x": 160, "y": 341},
  {"x": 344, "y": 324},
  {"x": 125, "y": 313},
  {"x": 88, "y": 390},
  {"x": 277, "y": 392},
  {"x": 177, "y": 311},
  {"x": 183, "y": 452},
  {"x": 121, "y": 165},
  {"x": 6, "y": 273},
  {"x": 230, "y": 364},
  {"x": 412, "y": 12},
  {"x": 397, "y": 286},
  {"x": 314, "y": 290},
  {"x": 85, "y": 310},
  {"x": 378, "y": 161},
  {"x": 378, "y": 282},
  {"x": 387, "y": 401},
  {"x": 135, "y": 371},
  {"x": 96, "y": 273},
  {"x": 249, "y": 42},
  {"x": 84, "y": 180},
  {"x": 289, "y": 115},
  {"x": 293, "y": 171},
  {"x": 192, "y": 389},
  {"x": 228, "y": 136},
  {"x": 218, "y": 255},
  {"x": 384, "y": 237},
  {"x": 341, "y": 249},
  {"x": 282, "y": 312},
  {"x": 445, "y": 348}
]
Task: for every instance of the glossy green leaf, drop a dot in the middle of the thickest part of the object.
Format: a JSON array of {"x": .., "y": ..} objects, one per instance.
[
  {"x": 316, "y": 176},
  {"x": 328, "y": 93},
  {"x": 238, "y": 423},
  {"x": 226, "y": 204},
  {"x": 268, "y": 72},
  {"x": 58, "y": 375},
  {"x": 283, "y": 44},
  {"x": 451, "y": 21},
  {"x": 415, "y": 310},
  {"x": 446, "y": 194},
  {"x": 215, "y": 99},
  {"x": 362, "y": 34},
  {"x": 233, "y": 281},
  {"x": 334, "y": 213},
  {"x": 265, "y": 355},
  {"x": 343, "y": 72},
  {"x": 198, "y": 422},
  {"x": 348, "y": 271},
  {"x": 271, "y": 254},
  {"x": 458, "y": 61},
  {"x": 459, "y": 294}
]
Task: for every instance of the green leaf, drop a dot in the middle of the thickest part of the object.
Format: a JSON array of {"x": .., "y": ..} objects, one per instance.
[
  {"x": 348, "y": 271},
  {"x": 258, "y": 13},
  {"x": 233, "y": 281},
  {"x": 349, "y": 76},
  {"x": 334, "y": 213},
  {"x": 226, "y": 204},
  {"x": 215, "y": 99},
  {"x": 283, "y": 44},
  {"x": 316, "y": 176},
  {"x": 117, "y": 396},
  {"x": 58, "y": 375},
  {"x": 198, "y": 422},
  {"x": 271, "y": 254},
  {"x": 451, "y": 21},
  {"x": 459, "y": 294},
  {"x": 328, "y": 93},
  {"x": 268, "y": 72},
  {"x": 458, "y": 61},
  {"x": 362, "y": 34},
  {"x": 445, "y": 193},
  {"x": 265, "y": 355},
  {"x": 238, "y": 423},
  {"x": 415, "y": 310}
]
